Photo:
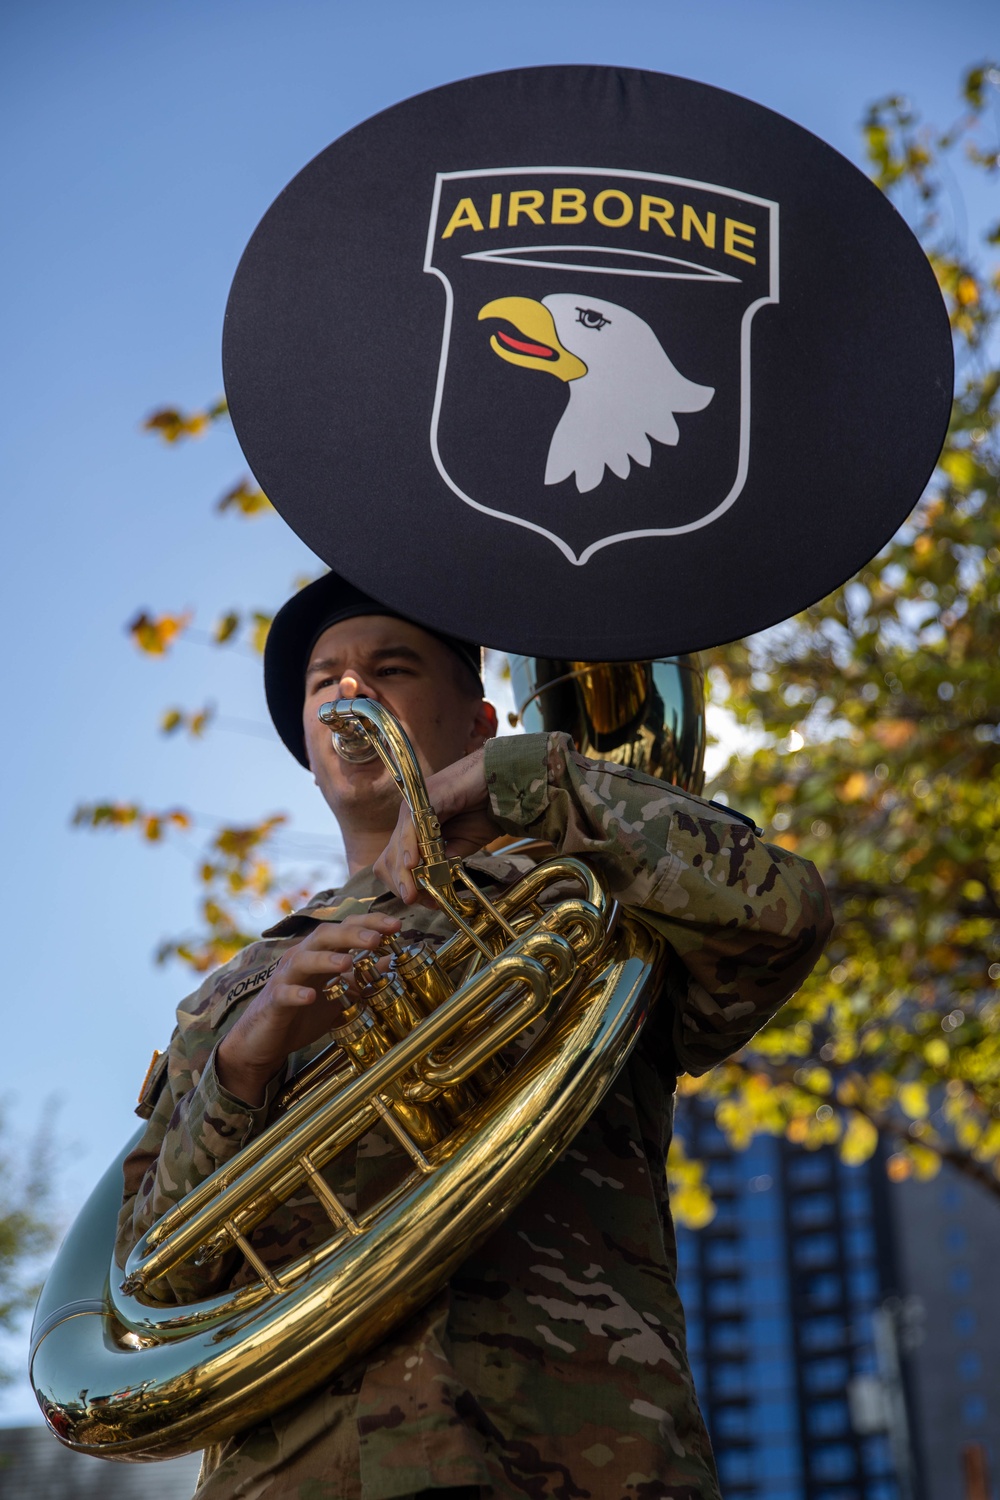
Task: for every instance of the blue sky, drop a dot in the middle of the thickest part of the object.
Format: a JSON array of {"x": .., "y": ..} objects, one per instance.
[{"x": 143, "y": 143}]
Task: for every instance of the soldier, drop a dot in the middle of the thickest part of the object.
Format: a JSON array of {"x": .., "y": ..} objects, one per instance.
[{"x": 554, "y": 1362}]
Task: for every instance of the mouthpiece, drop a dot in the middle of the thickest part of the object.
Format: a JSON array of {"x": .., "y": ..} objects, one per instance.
[{"x": 351, "y": 739}]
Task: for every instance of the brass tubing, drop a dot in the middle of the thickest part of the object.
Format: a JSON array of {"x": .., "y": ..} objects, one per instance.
[
  {"x": 480, "y": 1049},
  {"x": 486, "y": 904},
  {"x": 274, "y": 1286},
  {"x": 331, "y": 1062},
  {"x": 112, "y": 1400},
  {"x": 336, "y": 1212},
  {"x": 345, "y": 1110},
  {"x": 563, "y": 867},
  {"x": 223, "y": 1177}
]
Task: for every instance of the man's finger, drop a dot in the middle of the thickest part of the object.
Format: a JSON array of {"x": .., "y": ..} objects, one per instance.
[{"x": 320, "y": 961}]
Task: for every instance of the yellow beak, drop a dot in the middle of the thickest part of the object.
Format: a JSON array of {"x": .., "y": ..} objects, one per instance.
[{"x": 536, "y": 344}]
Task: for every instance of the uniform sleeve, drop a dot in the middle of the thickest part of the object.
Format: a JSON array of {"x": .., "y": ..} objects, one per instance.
[
  {"x": 746, "y": 920},
  {"x": 195, "y": 1127}
]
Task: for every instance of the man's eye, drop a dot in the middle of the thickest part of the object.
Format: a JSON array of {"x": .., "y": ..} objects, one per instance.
[{"x": 591, "y": 318}]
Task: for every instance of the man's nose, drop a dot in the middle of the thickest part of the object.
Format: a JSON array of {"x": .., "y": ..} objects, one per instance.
[{"x": 353, "y": 685}]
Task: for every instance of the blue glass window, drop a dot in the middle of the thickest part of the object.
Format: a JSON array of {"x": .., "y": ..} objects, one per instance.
[
  {"x": 855, "y": 1201},
  {"x": 725, "y": 1296},
  {"x": 731, "y": 1422},
  {"x": 863, "y": 1281},
  {"x": 824, "y": 1288},
  {"x": 722, "y": 1254},
  {"x": 974, "y": 1410},
  {"x": 957, "y": 1239},
  {"x": 821, "y": 1333},
  {"x": 877, "y": 1455},
  {"x": 964, "y": 1322},
  {"x": 970, "y": 1366},
  {"x": 815, "y": 1250},
  {"x": 777, "y": 1462},
  {"x": 960, "y": 1279},
  {"x": 812, "y": 1208},
  {"x": 825, "y": 1374},
  {"x": 734, "y": 1466},
  {"x": 771, "y": 1417},
  {"x": 729, "y": 1336},
  {"x": 860, "y": 1242},
  {"x": 806, "y": 1170},
  {"x": 827, "y": 1418},
  {"x": 885, "y": 1489},
  {"x": 729, "y": 1379},
  {"x": 833, "y": 1461}
]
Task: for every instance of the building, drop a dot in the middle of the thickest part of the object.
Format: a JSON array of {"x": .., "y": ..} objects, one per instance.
[
  {"x": 781, "y": 1290},
  {"x": 34, "y": 1464},
  {"x": 948, "y": 1246},
  {"x": 844, "y": 1340}
]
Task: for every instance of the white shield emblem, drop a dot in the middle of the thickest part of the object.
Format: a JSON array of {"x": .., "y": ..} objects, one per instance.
[{"x": 594, "y": 377}]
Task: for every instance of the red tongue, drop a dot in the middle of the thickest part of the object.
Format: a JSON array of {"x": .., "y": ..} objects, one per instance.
[{"x": 523, "y": 348}]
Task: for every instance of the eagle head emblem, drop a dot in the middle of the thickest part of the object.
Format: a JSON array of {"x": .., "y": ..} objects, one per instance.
[{"x": 623, "y": 388}]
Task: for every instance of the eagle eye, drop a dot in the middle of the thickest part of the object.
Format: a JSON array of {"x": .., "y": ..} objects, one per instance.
[{"x": 591, "y": 318}]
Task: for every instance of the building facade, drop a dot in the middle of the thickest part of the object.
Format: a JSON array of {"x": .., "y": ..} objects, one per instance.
[{"x": 844, "y": 1335}]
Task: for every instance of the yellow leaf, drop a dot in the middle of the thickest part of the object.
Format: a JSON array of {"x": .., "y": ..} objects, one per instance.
[
  {"x": 690, "y": 1199},
  {"x": 936, "y": 1052},
  {"x": 913, "y": 1099},
  {"x": 926, "y": 1164},
  {"x": 960, "y": 467},
  {"x": 155, "y": 636},
  {"x": 226, "y": 626},
  {"x": 898, "y": 1167},
  {"x": 172, "y": 425},
  {"x": 245, "y": 498},
  {"x": 261, "y": 625},
  {"x": 859, "y": 1140},
  {"x": 172, "y": 719},
  {"x": 967, "y": 291},
  {"x": 855, "y": 787}
]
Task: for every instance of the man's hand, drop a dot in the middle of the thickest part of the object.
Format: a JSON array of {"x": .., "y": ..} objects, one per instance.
[
  {"x": 290, "y": 1011},
  {"x": 459, "y": 796}
]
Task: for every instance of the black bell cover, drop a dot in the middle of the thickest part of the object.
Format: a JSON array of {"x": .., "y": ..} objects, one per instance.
[{"x": 588, "y": 362}]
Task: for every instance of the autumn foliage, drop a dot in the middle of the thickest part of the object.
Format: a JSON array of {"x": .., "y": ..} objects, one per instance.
[{"x": 872, "y": 727}]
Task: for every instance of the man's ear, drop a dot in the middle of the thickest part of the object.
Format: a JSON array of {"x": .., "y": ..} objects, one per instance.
[{"x": 484, "y": 726}]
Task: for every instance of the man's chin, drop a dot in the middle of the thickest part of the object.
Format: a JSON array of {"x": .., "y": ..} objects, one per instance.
[{"x": 351, "y": 785}]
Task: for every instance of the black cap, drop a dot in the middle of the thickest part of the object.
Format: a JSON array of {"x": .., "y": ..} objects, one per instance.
[{"x": 295, "y": 630}]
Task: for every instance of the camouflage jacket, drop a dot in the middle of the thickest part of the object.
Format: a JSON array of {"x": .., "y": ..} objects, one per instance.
[{"x": 553, "y": 1363}]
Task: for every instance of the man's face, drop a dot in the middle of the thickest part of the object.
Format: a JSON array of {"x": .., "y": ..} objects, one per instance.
[{"x": 417, "y": 678}]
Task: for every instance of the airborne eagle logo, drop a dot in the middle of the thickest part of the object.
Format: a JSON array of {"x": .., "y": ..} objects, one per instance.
[
  {"x": 594, "y": 379},
  {"x": 623, "y": 388}
]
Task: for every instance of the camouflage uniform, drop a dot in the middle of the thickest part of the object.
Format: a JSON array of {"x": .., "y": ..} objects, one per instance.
[{"x": 553, "y": 1363}]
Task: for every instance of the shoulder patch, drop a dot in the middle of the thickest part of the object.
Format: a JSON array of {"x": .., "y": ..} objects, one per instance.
[{"x": 152, "y": 1084}]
